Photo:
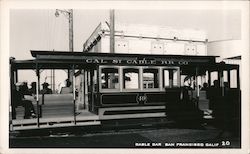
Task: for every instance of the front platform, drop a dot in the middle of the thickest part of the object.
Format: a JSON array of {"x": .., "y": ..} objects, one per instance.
[
  {"x": 83, "y": 118},
  {"x": 57, "y": 110}
]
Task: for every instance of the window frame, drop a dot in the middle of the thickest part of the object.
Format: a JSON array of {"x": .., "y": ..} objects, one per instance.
[
  {"x": 159, "y": 78},
  {"x": 178, "y": 77},
  {"x": 100, "y": 79},
  {"x": 139, "y": 79}
]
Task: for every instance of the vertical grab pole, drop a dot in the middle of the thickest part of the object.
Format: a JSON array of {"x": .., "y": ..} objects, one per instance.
[
  {"x": 84, "y": 89},
  {"x": 37, "y": 94},
  {"x": 238, "y": 78},
  {"x": 74, "y": 93},
  {"x": 222, "y": 82},
  {"x": 179, "y": 77},
  {"x": 228, "y": 78},
  {"x": 197, "y": 85},
  {"x": 171, "y": 78},
  {"x": 209, "y": 78},
  {"x": 92, "y": 88},
  {"x": 12, "y": 89}
]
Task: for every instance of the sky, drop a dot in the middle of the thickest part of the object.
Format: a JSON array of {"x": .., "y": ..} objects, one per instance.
[{"x": 39, "y": 29}]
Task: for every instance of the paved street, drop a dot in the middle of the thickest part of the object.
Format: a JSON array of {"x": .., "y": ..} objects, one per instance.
[{"x": 148, "y": 137}]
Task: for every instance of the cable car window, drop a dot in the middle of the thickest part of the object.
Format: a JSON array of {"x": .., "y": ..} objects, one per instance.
[
  {"x": 170, "y": 78},
  {"x": 225, "y": 79},
  {"x": 131, "y": 78},
  {"x": 175, "y": 78},
  {"x": 233, "y": 79},
  {"x": 225, "y": 76},
  {"x": 185, "y": 80},
  {"x": 166, "y": 78},
  {"x": 214, "y": 76},
  {"x": 150, "y": 78},
  {"x": 109, "y": 78}
]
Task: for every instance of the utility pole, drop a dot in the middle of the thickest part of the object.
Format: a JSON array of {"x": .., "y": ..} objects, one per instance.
[
  {"x": 112, "y": 31},
  {"x": 112, "y": 42},
  {"x": 69, "y": 15},
  {"x": 71, "y": 43}
]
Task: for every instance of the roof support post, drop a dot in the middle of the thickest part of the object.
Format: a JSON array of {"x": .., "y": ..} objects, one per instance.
[
  {"x": 85, "y": 85},
  {"x": 228, "y": 78},
  {"x": 209, "y": 78},
  {"x": 238, "y": 78},
  {"x": 74, "y": 94},
  {"x": 12, "y": 89},
  {"x": 197, "y": 85},
  {"x": 222, "y": 82},
  {"x": 37, "y": 94}
]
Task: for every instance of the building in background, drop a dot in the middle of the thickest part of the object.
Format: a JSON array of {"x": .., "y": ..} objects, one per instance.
[{"x": 147, "y": 39}]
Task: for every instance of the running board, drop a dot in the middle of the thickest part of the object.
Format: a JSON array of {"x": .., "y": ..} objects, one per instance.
[
  {"x": 131, "y": 112},
  {"x": 26, "y": 124},
  {"x": 54, "y": 125}
]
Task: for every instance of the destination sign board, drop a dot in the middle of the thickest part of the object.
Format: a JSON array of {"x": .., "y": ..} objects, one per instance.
[
  {"x": 138, "y": 62},
  {"x": 115, "y": 60}
]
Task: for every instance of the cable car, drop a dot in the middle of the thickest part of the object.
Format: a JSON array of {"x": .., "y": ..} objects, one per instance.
[{"x": 130, "y": 86}]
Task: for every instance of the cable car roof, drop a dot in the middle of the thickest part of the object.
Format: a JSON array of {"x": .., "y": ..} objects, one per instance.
[
  {"x": 76, "y": 55},
  {"x": 67, "y": 60}
]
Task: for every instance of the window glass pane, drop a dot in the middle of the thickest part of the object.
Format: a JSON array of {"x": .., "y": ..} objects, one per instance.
[
  {"x": 184, "y": 81},
  {"x": 225, "y": 79},
  {"x": 175, "y": 78},
  {"x": 95, "y": 80},
  {"x": 165, "y": 78},
  {"x": 131, "y": 78},
  {"x": 233, "y": 79},
  {"x": 225, "y": 76},
  {"x": 214, "y": 77},
  {"x": 110, "y": 78},
  {"x": 170, "y": 77},
  {"x": 150, "y": 78}
]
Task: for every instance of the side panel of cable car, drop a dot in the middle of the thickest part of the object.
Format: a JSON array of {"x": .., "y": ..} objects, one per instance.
[
  {"x": 145, "y": 90},
  {"x": 123, "y": 90}
]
